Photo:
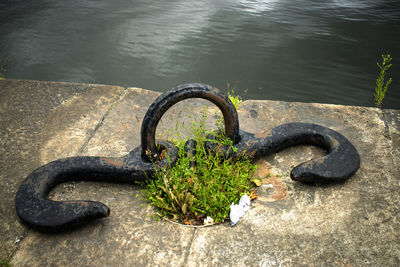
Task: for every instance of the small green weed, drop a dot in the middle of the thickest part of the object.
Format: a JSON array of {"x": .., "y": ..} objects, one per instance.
[
  {"x": 236, "y": 99},
  {"x": 5, "y": 263},
  {"x": 381, "y": 86},
  {"x": 190, "y": 192},
  {"x": 2, "y": 69}
]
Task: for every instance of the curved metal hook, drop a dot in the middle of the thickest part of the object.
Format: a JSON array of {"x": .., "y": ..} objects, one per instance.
[
  {"x": 37, "y": 211},
  {"x": 341, "y": 162}
]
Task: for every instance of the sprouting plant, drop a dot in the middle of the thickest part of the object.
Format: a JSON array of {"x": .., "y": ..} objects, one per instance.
[
  {"x": 2, "y": 69},
  {"x": 236, "y": 101},
  {"x": 5, "y": 263},
  {"x": 381, "y": 86}
]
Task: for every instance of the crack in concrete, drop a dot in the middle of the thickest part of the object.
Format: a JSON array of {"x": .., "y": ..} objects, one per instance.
[
  {"x": 117, "y": 99},
  {"x": 391, "y": 125},
  {"x": 388, "y": 135},
  {"x": 189, "y": 249},
  {"x": 18, "y": 244},
  {"x": 387, "y": 129}
]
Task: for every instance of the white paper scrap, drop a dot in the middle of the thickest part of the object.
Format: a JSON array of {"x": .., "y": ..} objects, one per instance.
[{"x": 237, "y": 211}]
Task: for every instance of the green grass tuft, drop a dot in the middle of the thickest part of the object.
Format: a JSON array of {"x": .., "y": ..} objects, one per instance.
[
  {"x": 381, "y": 86},
  {"x": 190, "y": 192},
  {"x": 5, "y": 263}
]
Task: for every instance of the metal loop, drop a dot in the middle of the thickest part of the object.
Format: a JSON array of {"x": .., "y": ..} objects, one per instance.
[{"x": 175, "y": 95}]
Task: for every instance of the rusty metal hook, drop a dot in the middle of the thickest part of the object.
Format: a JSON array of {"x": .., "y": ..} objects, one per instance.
[
  {"x": 37, "y": 211},
  {"x": 341, "y": 162}
]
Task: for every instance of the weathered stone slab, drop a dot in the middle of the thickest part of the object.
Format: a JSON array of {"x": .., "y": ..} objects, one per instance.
[
  {"x": 40, "y": 122},
  {"x": 352, "y": 223},
  {"x": 130, "y": 236}
]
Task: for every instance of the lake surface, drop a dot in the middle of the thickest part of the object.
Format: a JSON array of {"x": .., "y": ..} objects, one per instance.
[{"x": 293, "y": 50}]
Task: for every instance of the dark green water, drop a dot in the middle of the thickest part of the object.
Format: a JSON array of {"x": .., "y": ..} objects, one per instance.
[{"x": 309, "y": 51}]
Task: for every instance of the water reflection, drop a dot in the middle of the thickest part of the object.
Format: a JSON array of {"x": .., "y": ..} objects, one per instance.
[
  {"x": 257, "y": 6},
  {"x": 296, "y": 50},
  {"x": 356, "y": 4},
  {"x": 148, "y": 36}
]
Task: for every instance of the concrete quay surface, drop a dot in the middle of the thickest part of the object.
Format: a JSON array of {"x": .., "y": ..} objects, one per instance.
[{"x": 355, "y": 223}]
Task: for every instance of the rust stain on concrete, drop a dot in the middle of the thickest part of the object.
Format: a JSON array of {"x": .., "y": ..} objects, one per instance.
[
  {"x": 125, "y": 125},
  {"x": 269, "y": 178}
]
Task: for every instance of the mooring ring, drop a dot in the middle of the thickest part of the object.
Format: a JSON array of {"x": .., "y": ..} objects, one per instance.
[{"x": 175, "y": 95}]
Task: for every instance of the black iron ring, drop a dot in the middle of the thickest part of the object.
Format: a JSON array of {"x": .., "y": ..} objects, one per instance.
[{"x": 175, "y": 95}]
